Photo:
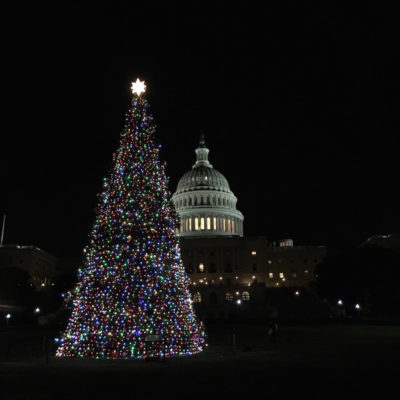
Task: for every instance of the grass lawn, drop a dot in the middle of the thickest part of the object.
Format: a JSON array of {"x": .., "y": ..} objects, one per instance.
[{"x": 316, "y": 361}]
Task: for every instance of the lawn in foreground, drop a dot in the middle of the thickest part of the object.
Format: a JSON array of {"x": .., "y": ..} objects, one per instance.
[{"x": 319, "y": 361}]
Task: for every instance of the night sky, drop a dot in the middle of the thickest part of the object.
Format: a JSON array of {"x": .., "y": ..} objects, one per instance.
[{"x": 300, "y": 108}]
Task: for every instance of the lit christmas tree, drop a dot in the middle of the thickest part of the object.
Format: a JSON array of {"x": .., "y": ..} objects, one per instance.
[{"x": 132, "y": 298}]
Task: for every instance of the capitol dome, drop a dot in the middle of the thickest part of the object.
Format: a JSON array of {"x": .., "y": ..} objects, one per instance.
[{"x": 204, "y": 202}]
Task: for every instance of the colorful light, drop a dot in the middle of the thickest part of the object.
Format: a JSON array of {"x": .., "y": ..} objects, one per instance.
[{"x": 133, "y": 286}]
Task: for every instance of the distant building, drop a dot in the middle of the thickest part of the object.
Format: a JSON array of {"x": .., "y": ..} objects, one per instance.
[
  {"x": 222, "y": 264},
  {"x": 40, "y": 265},
  {"x": 388, "y": 241}
]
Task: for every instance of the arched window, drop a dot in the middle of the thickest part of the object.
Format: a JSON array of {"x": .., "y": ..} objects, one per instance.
[
  {"x": 229, "y": 296},
  {"x": 229, "y": 225},
  {"x": 190, "y": 201},
  {"x": 190, "y": 224},
  {"x": 185, "y": 202},
  {"x": 245, "y": 296},
  {"x": 208, "y": 223},
  {"x": 215, "y": 223},
  {"x": 196, "y": 224},
  {"x": 224, "y": 202},
  {"x": 213, "y": 298},
  {"x": 202, "y": 223},
  {"x": 219, "y": 201},
  {"x": 197, "y": 298},
  {"x": 189, "y": 269}
]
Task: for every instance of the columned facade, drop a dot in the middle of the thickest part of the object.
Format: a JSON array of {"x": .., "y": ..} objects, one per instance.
[{"x": 204, "y": 202}]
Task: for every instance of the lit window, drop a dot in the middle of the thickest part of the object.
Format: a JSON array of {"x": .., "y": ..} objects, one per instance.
[
  {"x": 197, "y": 298},
  {"x": 229, "y": 296},
  {"x": 201, "y": 267},
  {"x": 281, "y": 275},
  {"x": 190, "y": 224},
  {"x": 271, "y": 275},
  {"x": 208, "y": 223},
  {"x": 253, "y": 253},
  {"x": 246, "y": 296},
  {"x": 215, "y": 223},
  {"x": 229, "y": 225},
  {"x": 196, "y": 224},
  {"x": 224, "y": 224},
  {"x": 233, "y": 226},
  {"x": 202, "y": 223}
]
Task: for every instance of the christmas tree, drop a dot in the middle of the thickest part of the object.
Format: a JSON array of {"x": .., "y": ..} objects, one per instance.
[{"x": 132, "y": 298}]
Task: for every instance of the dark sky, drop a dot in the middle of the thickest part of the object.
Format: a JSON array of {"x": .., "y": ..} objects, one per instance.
[{"x": 299, "y": 105}]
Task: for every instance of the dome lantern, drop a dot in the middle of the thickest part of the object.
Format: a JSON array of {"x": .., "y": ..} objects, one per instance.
[{"x": 202, "y": 154}]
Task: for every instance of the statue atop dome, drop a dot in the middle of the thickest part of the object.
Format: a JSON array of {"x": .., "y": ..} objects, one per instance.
[{"x": 202, "y": 153}]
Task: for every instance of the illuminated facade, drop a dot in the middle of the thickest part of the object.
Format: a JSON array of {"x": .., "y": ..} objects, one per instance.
[{"x": 224, "y": 266}]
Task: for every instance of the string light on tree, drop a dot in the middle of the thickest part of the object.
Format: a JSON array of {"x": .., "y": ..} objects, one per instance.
[{"x": 133, "y": 287}]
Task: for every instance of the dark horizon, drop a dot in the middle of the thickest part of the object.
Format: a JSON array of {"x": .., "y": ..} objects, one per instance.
[{"x": 299, "y": 111}]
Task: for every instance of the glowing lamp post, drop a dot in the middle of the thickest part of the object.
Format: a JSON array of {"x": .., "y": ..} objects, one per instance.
[{"x": 358, "y": 309}]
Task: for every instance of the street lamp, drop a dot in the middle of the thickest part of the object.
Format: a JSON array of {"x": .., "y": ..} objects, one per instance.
[
  {"x": 340, "y": 302},
  {"x": 37, "y": 310},
  {"x": 239, "y": 302},
  {"x": 8, "y": 316},
  {"x": 358, "y": 309}
]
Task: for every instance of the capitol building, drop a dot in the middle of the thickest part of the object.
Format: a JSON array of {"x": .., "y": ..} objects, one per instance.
[
  {"x": 225, "y": 267},
  {"x": 204, "y": 201}
]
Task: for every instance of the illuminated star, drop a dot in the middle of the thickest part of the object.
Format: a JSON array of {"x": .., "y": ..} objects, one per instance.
[{"x": 138, "y": 87}]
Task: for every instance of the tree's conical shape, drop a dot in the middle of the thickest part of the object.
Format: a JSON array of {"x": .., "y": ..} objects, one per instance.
[{"x": 132, "y": 297}]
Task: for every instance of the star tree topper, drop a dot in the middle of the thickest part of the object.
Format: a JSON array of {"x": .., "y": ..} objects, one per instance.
[{"x": 138, "y": 87}]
